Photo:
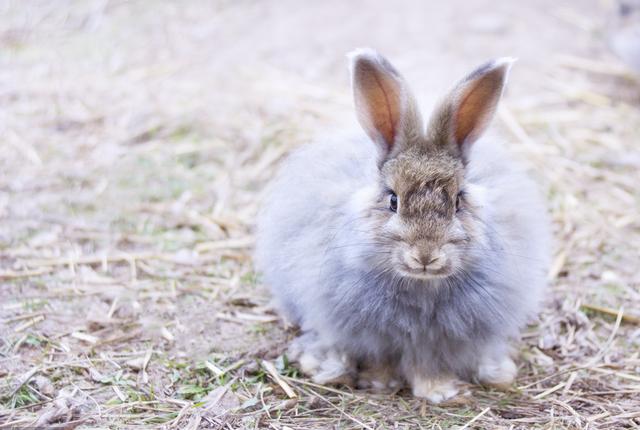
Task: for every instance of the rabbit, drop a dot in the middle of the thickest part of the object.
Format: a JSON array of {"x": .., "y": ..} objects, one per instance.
[{"x": 406, "y": 255}]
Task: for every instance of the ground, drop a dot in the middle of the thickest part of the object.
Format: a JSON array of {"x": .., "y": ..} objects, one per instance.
[{"x": 136, "y": 140}]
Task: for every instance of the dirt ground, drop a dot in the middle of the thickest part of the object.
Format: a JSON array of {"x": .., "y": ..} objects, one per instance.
[{"x": 136, "y": 137}]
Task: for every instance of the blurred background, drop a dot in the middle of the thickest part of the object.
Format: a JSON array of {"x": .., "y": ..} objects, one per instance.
[{"x": 136, "y": 138}]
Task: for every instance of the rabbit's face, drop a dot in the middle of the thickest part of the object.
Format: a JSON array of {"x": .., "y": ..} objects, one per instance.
[
  {"x": 425, "y": 221},
  {"x": 424, "y": 214}
]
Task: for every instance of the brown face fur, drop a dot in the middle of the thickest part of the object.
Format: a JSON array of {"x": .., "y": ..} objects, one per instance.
[{"x": 427, "y": 228}]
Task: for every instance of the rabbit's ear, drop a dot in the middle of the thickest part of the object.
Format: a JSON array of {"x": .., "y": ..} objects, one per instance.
[
  {"x": 385, "y": 108},
  {"x": 467, "y": 112}
]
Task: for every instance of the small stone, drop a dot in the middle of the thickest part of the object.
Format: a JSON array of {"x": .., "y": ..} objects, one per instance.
[{"x": 44, "y": 385}]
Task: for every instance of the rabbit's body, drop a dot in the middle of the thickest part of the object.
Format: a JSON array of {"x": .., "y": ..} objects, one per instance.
[{"x": 321, "y": 252}]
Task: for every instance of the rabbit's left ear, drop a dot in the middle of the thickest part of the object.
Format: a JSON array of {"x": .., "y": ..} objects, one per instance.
[
  {"x": 468, "y": 110},
  {"x": 385, "y": 108}
]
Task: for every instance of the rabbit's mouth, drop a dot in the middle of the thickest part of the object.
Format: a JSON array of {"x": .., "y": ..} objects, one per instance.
[{"x": 425, "y": 273}]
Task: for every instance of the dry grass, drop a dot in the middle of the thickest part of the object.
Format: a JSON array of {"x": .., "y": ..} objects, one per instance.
[{"x": 136, "y": 138}]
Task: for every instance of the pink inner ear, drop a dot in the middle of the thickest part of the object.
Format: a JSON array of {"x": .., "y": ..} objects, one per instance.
[
  {"x": 476, "y": 107},
  {"x": 388, "y": 113},
  {"x": 378, "y": 94}
]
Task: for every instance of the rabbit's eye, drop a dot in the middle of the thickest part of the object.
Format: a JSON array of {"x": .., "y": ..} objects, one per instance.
[
  {"x": 393, "y": 202},
  {"x": 458, "y": 199}
]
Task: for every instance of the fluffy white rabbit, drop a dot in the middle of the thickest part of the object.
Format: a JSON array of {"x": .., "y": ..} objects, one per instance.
[{"x": 407, "y": 255}]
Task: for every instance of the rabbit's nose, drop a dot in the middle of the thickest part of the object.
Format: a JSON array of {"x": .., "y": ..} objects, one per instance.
[{"x": 428, "y": 260}]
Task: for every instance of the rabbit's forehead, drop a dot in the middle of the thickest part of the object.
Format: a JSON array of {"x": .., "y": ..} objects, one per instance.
[
  {"x": 427, "y": 186},
  {"x": 418, "y": 180}
]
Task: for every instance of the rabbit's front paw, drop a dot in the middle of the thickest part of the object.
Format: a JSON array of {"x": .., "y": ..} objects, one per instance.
[
  {"x": 333, "y": 369},
  {"x": 325, "y": 366},
  {"x": 434, "y": 390},
  {"x": 499, "y": 373}
]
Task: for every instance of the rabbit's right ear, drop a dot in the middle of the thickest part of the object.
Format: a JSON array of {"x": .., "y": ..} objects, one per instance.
[
  {"x": 384, "y": 106},
  {"x": 467, "y": 112}
]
